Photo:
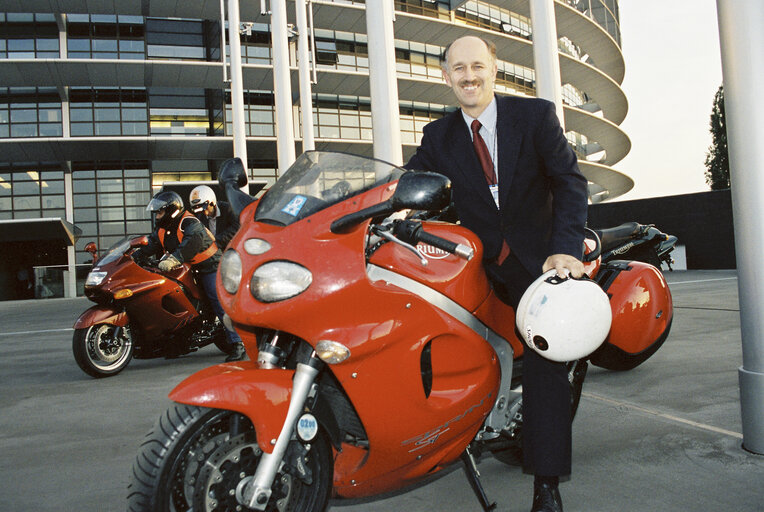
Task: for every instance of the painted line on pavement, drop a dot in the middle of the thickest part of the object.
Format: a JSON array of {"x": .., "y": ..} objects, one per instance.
[
  {"x": 35, "y": 332},
  {"x": 673, "y": 283},
  {"x": 669, "y": 417}
]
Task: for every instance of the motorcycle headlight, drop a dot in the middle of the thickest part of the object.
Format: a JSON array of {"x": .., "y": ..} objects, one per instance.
[
  {"x": 256, "y": 246},
  {"x": 95, "y": 278},
  {"x": 230, "y": 271},
  {"x": 279, "y": 280}
]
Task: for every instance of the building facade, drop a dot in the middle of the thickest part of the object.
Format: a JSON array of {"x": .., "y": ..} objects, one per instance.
[{"x": 98, "y": 109}]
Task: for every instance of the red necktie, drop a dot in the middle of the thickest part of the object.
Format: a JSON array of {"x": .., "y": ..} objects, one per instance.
[
  {"x": 490, "y": 176},
  {"x": 482, "y": 153}
]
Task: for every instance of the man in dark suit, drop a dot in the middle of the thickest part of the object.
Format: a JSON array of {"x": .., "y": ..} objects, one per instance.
[
  {"x": 516, "y": 184},
  {"x": 216, "y": 216}
]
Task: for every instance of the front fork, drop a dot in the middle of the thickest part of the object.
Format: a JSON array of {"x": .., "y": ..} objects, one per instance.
[{"x": 255, "y": 492}]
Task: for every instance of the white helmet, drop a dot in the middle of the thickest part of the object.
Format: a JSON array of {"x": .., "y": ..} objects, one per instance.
[
  {"x": 201, "y": 197},
  {"x": 564, "y": 319}
]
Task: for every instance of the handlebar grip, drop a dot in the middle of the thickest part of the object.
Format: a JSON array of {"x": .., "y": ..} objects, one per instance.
[{"x": 460, "y": 250}]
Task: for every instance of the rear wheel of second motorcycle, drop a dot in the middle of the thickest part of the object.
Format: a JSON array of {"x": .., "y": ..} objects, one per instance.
[
  {"x": 195, "y": 458},
  {"x": 103, "y": 350},
  {"x": 512, "y": 454}
]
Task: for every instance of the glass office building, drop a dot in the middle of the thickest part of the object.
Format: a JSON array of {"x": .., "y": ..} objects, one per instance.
[{"x": 99, "y": 108}]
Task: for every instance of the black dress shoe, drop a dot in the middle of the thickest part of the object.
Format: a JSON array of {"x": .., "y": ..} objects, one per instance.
[
  {"x": 237, "y": 353},
  {"x": 546, "y": 498}
]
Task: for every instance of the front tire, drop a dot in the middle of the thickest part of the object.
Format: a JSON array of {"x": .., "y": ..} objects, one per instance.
[
  {"x": 103, "y": 350},
  {"x": 195, "y": 457}
]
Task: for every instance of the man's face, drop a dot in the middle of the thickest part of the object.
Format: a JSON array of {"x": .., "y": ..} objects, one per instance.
[
  {"x": 471, "y": 72},
  {"x": 159, "y": 214}
]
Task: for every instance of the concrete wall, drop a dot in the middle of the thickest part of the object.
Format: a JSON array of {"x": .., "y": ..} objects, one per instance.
[{"x": 702, "y": 222}]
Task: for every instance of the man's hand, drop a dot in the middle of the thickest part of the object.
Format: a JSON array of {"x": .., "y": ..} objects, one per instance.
[
  {"x": 168, "y": 263},
  {"x": 564, "y": 264}
]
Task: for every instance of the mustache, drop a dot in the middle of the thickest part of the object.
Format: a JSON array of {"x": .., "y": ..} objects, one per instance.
[{"x": 465, "y": 83}]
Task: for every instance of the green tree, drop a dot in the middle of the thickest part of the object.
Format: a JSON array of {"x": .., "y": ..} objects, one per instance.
[{"x": 717, "y": 159}]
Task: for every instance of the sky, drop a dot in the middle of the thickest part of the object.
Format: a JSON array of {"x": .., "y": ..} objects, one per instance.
[{"x": 673, "y": 69}]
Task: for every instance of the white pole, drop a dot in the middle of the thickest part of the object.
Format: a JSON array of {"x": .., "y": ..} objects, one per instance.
[
  {"x": 383, "y": 82},
  {"x": 282, "y": 85},
  {"x": 237, "y": 84},
  {"x": 742, "y": 48},
  {"x": 546, "y": 56},
  {"x": 303, "y": 63}
]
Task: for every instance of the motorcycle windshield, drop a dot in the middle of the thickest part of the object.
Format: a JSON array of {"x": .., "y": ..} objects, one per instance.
[
  {"x": 114, "y": 252},
  {"x": 318, "y": 180}
]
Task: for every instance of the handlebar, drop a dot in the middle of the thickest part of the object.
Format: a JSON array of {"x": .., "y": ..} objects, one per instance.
[{"x": 411, "y": 232}]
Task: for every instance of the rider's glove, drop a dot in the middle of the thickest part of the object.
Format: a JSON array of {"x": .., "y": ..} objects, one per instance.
[{"x": 168, "y": 263}]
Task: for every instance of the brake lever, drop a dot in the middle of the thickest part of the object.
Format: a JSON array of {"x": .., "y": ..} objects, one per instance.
[{"x": 379, "y": 231}]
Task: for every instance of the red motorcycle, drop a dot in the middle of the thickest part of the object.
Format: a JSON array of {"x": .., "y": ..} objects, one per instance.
[
  {"x": 379, "y": 354},
  {"x": 140, "y": 312}
]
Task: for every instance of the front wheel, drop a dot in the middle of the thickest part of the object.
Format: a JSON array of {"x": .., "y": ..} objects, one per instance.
[
  {"x": 102, "y": 350},
  {"x": 195, "y": 458}
]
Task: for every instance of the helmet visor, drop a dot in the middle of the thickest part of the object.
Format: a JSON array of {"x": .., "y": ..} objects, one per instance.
[
  {"x": 199, "y": 207},
  {"x": 156, "y": 204}
]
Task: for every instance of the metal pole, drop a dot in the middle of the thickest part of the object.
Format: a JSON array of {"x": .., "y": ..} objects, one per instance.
[
  {"x": 282, "y": 85},
  {"x": 222, "y": 42},
  {"x": 546, "y": 56},
  {"x": 383, "y": 82},
  {"x": 742, "y": 48},
  {"x": 303, "y": 65},
  {"x": 237, "y": 84}
]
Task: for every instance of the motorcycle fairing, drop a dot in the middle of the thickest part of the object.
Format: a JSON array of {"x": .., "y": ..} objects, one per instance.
[
  {"x": 500, "y": 345},
  {"x": 261, "y": 395},
  {"x": 101, "y": 315}
]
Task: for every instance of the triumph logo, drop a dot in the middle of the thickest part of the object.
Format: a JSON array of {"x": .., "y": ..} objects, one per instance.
[
  {"x": 623, "y": 249},
  {"x": 430, "y": 252}
]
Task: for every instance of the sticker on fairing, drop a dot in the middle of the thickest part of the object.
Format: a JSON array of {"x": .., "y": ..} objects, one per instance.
[
  {"x": 307, "y": 427},
  {"x": 295, "y": 205}
]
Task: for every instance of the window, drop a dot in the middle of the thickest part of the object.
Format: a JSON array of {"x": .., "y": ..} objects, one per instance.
[{"x": 30, "y": 112}]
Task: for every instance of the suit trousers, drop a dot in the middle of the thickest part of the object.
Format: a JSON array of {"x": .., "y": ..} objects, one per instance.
[
  {"x": 208, "y": 283},
  {"x": 547, "y": 437}
]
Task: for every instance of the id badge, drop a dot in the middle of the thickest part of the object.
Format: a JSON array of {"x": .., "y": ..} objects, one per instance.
[{"x": 495, "y": 194}]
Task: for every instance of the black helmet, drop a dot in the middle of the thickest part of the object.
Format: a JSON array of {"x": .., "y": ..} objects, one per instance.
[{"x": 172, "y": 205}]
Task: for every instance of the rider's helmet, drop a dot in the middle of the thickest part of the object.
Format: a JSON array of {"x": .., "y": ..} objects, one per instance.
[
  {"x": 201, "y": 197},
  {"x": 563, "y": 319},
  {"x": 172, "y": 205}
]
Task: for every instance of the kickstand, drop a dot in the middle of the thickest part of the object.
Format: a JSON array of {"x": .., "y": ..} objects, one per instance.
[{"x": 470, "y": 468}]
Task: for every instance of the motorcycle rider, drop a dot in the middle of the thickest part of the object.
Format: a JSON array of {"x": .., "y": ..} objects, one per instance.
[
  {"x": 517, "y": 185},
  {"x": 217, "y": 216},
  {"x": 184, "y": 239}
]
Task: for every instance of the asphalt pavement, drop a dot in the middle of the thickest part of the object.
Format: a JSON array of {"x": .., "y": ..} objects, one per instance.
[{"x": 665, "y": 436}]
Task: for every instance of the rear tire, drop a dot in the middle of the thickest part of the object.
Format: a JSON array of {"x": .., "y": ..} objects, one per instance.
[
  {"x": 194, "y": 457},
  {"x": 99, "y": 353}
]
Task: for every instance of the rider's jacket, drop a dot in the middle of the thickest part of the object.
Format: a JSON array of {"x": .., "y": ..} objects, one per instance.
[{"x": 190, "y": 242}]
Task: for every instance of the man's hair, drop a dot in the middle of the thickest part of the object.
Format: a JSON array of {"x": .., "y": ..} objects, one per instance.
[{"x": 488, "y": 44}]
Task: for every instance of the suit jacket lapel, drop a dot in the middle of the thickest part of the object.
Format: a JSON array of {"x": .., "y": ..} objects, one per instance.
[
  {"x": 509, "y": 137},
  {"x": 461, "y": 148}
]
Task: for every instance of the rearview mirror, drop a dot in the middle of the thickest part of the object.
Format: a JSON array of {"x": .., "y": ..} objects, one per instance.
[
  {"x": 421, "y": 191},
  {"x": 139, "y": 241},
  {"x": 415, "y": 191},
  {"x": 232, "y": 172},
  {"x": 232, "y": 177}
]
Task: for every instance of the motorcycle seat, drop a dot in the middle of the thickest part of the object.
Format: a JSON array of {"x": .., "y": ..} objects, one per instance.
[{"x": 611, "y": 237}]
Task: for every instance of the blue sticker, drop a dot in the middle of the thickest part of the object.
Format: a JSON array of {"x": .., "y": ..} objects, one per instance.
[{"x": 295, "y": 205}]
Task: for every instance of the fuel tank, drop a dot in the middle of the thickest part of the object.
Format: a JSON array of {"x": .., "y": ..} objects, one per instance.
[{"x": 463, "y": 281}]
